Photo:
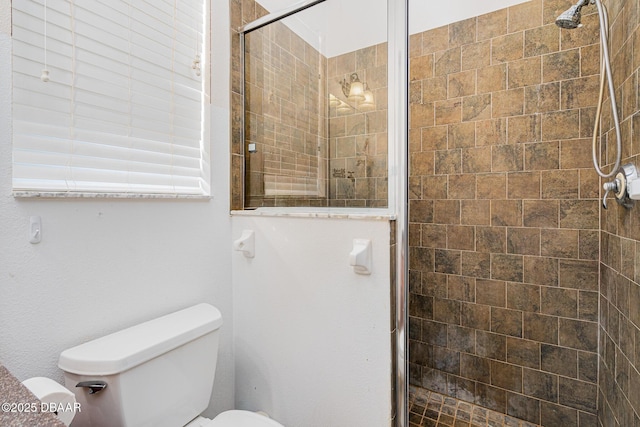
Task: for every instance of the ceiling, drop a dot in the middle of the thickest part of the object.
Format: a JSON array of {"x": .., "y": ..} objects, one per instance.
[{"x": 340, "y": 26}]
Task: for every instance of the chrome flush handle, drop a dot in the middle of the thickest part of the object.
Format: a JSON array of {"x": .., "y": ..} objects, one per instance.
[{"x": 93, "y": 386}]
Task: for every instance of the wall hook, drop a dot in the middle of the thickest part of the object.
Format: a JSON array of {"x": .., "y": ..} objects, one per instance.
[
  {"x": 360, "y": 256},
  {"x": 35, "y": 229},
  {"x": 246, "y": 244}
]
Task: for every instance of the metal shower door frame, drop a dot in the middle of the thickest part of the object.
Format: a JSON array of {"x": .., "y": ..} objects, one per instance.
[{"x": 398, "y": 176}]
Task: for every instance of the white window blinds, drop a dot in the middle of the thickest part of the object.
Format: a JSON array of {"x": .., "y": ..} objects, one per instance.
[{"x": 123, "y": 110}]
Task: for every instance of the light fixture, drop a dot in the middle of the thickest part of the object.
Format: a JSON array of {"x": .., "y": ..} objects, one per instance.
[
  {"x": 353, "y": 89},
  {"x": 357, "y": 93},
  {"x": 368, "y": 104}
]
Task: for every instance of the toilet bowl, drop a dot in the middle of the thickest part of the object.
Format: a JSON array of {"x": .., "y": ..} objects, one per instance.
[
  {"x": 159, "y": 373},
  {"x": 236, "y": 418}
]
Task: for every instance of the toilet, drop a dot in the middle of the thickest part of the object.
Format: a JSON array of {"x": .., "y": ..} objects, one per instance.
[{"x": 158, "y": 374}]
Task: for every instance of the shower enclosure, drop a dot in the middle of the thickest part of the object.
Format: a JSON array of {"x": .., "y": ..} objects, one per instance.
[
  {"x": 521, "y": 291},
  {"x": 311, "y": 155}
]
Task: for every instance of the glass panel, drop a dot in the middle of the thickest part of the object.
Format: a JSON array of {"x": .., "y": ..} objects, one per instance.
[{"x": 316, "y": 108}]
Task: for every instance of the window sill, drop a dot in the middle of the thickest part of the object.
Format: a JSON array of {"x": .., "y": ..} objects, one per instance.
[{"x": 69, "y": 195}]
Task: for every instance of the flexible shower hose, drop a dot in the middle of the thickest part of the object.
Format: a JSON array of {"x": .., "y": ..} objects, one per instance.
[{"x": 605, "y": 67}]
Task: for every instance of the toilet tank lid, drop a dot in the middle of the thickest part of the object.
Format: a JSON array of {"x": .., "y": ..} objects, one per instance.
[{"x": 125, "y": 349}]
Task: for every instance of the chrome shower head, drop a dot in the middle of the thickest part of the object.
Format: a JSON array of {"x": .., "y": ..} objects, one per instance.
[{"x": 570, "y": 18}]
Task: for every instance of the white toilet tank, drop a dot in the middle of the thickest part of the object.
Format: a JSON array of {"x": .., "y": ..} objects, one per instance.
[{"x": 158, "y": 373}]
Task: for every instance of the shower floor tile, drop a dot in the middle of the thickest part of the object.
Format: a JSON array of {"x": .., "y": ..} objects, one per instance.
[{"x": 430, "y": 409}]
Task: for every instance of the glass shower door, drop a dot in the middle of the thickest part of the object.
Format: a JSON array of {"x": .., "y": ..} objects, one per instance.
[{"x": 315, "y": 107}]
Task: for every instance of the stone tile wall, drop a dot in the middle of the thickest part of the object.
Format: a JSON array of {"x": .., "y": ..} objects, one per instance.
[
  {"x": 241, "y": 12},
  {"x": 619, "y": 376},
  {"x": 286, "y": 119},
  {"x": 504, "y": 227},
  {"x": 358, "y": 138}
]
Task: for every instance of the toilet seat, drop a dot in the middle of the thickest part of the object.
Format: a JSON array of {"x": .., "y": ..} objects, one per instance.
[{"x": 239, "y": 418}]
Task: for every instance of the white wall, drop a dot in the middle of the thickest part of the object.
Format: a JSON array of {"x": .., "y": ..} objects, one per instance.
[
  {"x": 105, "y": 264},
  {"x": 425, "y": 15},
  {"x": 337, "y": 27},
  {"x": 312, "y": 338}
]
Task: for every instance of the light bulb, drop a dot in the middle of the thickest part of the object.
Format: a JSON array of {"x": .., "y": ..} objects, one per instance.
[
  {"x": 356, "y": 93},
  {"x": 368, "y": 104}
]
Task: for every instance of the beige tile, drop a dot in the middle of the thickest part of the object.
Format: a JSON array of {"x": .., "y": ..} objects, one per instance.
[
  {"x": 524, "y": 16},
  {"x": 524, "y": 72},
  {"x": 507, "y": 103},
  {"x": 449, "y": 111},
  {"x": 541, "y": 40},
  {"x": 476, "y": 55},
  {"x": 435, "y": 40},
  {"x": 462, "y": 84},
  {"x": 447, "y": 62},
  {"x": 562, "y": 65},
  {"x": 462, "y": 32},
  {"x": 476, "y": 107},
  {"x": 493, "y": 78},
  {"x": 492, "y": 24},
  {"x": 507, "y": 48}
]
